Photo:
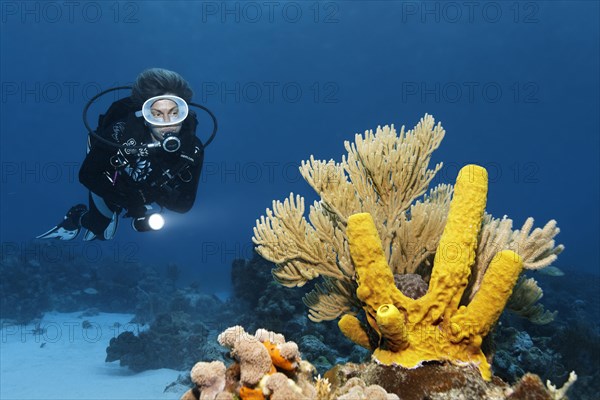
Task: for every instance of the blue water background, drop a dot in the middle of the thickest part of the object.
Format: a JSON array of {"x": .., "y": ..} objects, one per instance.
[{"x": 515, "y": 85}]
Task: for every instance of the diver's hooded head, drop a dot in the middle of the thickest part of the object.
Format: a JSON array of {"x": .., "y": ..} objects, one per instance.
[{"x": 158, "y": 81}]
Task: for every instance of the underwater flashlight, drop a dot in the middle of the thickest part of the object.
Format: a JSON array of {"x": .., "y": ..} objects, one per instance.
[{"x": 151, "y": 222}]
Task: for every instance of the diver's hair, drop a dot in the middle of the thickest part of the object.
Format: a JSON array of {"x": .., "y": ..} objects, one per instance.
[{"x": 157, "y": 81}]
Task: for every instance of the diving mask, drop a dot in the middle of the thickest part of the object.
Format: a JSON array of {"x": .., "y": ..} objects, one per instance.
[{"x": 164, "y": 110}]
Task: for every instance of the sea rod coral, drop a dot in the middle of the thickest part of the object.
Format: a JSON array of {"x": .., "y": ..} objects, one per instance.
[{"x": 386, "y": 174}]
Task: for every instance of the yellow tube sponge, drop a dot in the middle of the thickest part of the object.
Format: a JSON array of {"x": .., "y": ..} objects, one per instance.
[
  {"x": 392, "y": 325},
  {"x": 483, "y": 311},
  {"x": 352, "y": 328},
  {"x": 433, "y": 327},
  {"x": 375, "y": 280}
]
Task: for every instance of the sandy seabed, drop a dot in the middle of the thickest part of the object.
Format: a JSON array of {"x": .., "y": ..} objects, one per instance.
[{"x": 62, "y": 357}]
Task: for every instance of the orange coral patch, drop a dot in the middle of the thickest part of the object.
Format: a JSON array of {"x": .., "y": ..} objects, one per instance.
[
  {"x": 247, "y": 393},
  {"x": 277, "y": 359}
]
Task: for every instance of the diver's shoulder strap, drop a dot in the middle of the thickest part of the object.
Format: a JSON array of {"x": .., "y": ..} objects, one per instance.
[
  {"x": 118, "y": 124},
  {"x": 120, "y": 109}
]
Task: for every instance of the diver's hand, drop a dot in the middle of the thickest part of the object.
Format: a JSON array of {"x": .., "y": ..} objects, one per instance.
[
  {"x": 137, "y": 196},
  {"x": 136, "y": 212},
  {"x": 145, "y": 196}
]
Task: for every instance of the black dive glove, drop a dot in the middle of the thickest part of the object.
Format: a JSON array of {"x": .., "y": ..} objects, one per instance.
[
  {"x": 131, "y": 195},
  {"x": 136, "y": 201},
  {"x": 136, "y": 212}
]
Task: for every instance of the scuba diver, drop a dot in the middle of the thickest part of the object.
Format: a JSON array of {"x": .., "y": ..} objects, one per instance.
[{"x": 144, "y": 151}]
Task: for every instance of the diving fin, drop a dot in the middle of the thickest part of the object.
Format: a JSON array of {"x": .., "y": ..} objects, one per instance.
[
  {"x": 69, "y": 227},
  {"x": 89, "y": 236}
]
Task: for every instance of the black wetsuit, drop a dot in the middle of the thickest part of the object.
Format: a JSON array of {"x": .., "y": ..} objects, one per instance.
[{"x": 129, "y": 180}]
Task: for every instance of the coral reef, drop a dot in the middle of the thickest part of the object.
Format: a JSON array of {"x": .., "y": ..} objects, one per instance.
[
  {"x": 259, "y": 302},
  {"x": 548, "y": 350},
  {"x": 537, "y": 250},
  {"x": 171, "y": 342},
  {"x": 43, "y": 276},
  {"x": 209, "y": 377},
  {"x": 267, "y": 367},
  {"x": 517, "y": 352},
  {"x": 469, "y": 260},
  {"x": 356, "y": 389},
  {"x": 261, "y": 372},
  {"x": 525, "y": 302},
  {"x": 33, "y": 284},
  {"x": 439, "y": 382},
  {"x": 383, "y": 174}
]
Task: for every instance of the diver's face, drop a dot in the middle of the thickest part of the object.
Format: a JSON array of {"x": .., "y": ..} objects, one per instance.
[{"x": 165, "y": 110}]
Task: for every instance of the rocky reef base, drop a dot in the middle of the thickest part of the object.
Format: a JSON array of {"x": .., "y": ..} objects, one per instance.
[
  {"x": 267, "y": 367},
  {"x": 437, "y": 381}
]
